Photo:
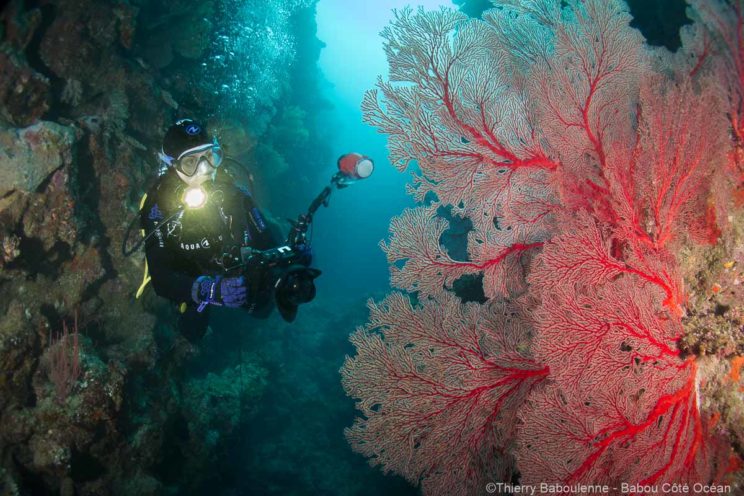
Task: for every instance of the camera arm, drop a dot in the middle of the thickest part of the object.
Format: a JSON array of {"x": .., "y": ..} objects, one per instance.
[
  {"x": 286, "y": 254},
  {"x": 298, "y": 233}
]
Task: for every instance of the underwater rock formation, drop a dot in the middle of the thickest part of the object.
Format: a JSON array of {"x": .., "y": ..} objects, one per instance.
[
  {"x": 25, "y": 90},
  {"x": 65, "y": 197},
  {"x": 81, "y": 118},
  {"x": 602, "y": 179},
  {"x": 31, "y": 154},
  {"x": 214, "y": 406}
]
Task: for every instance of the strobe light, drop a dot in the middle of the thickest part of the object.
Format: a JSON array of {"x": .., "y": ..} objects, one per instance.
[{"x": 355, "y": 166}]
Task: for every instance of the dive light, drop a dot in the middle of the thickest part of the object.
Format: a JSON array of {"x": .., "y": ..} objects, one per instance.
[{"x": 194, "y": 197}]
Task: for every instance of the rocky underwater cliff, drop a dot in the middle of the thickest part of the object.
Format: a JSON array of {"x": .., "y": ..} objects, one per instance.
[{"x": 96, "y": 392}]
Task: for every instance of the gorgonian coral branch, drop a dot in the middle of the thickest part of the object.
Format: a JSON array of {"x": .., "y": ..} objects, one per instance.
[
  {"x": 419, "y": 262},
  {"x": 439, "y": 386},
  {"x": 621, "y": 388}
]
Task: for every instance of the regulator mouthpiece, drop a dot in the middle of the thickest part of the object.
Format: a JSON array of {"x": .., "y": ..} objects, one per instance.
[
  {"x": 194, "y": 197},
  {"x": 355, "y": 166}
]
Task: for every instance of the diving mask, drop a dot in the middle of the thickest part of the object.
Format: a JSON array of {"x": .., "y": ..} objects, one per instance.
[{"x": 200, "y": 159}]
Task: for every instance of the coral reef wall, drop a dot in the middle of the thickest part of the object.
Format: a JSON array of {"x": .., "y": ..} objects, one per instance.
[{"x": 95, "y": 393}]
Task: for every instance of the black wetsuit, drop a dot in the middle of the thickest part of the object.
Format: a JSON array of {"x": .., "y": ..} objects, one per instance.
[{"x": 194, "y": 242}]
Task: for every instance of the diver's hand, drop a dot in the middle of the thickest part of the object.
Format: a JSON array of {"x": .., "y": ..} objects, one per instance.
[
  {"x": 228, "y": 291},
  {"x": 233, "y": 291}
]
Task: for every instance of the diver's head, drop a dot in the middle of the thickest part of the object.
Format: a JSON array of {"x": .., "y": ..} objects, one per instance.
[{"x": 191, "y": 152}]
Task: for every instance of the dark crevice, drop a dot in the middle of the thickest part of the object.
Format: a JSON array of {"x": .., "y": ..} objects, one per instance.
[
  {"x": 84, "y": 467},
  {"x": 35, "y": 260},
  {"x": 35, "y": 61},
  {"x": 52, "y": 316},
  {"x": 738, "y": 448},
  {"x": 95, "y": 331},
  {"x": 30, "y": 399},
  {"x": 7, "y": 289},
  {"x": 173, "y": 459},
  {"x": 85, "y": 188},
  {"x": 721, "y": 309},
  {"x": 33, "y": 50},
  {"x": 41, "y": 188},
  {"x": 31, "y": 482},
  {"x": 7, "y": 194}
]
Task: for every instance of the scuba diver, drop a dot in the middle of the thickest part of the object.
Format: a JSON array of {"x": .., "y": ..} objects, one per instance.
[
  {"x": 208, "y": 244},
  {"x": 196, "y": 219}
]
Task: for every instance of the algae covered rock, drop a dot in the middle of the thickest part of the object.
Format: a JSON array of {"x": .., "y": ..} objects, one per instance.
[
  {"x": 216, "y": 404},
  {"x": 28, "y": 156},
  {"x": 19, "y": 344},
  {"x": 24, "y": 91}
]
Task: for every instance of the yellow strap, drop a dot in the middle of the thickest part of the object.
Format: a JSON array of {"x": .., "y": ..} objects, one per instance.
[
  {"x": 145, "y": 280},
  {"x": 146, "y": 276}
]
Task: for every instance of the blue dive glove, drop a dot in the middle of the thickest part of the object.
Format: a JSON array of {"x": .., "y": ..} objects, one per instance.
[{"x": 228, "y": 291}]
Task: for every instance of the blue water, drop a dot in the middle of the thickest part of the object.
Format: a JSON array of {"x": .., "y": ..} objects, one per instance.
[{"x": 347, "y": 235}]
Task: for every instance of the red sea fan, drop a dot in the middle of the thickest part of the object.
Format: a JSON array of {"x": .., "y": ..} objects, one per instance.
[
  {"x": 587, "y": 164},
  {"x": 439, "y": 387},
  {"x": 427, "y": 268},
  {"x": 663, "y": 187},
  {"x": 624, "y": 403}
]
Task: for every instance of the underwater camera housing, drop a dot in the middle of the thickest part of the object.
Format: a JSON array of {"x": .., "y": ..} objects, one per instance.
[
  {"x": 289, "y": 279},
  {"x": 287, "y": 282}
]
